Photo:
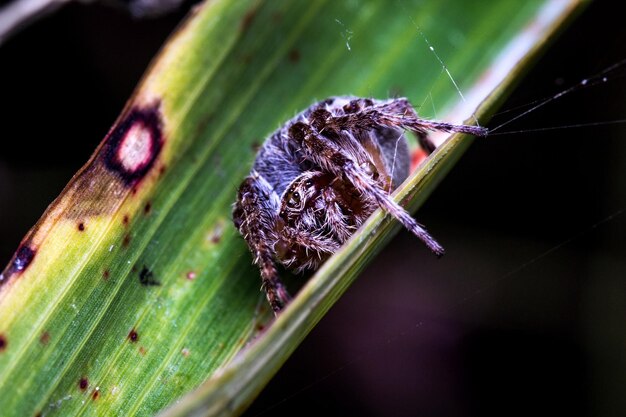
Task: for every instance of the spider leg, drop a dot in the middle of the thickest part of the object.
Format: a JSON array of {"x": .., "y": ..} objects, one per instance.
[
  {"x": 399, "y": 113},
  {"x": 333, "y": 159},
  {"x": 335, "y": 218},
  {"x": 253, "y": 216},
  {"x": 295, "y": 244}
]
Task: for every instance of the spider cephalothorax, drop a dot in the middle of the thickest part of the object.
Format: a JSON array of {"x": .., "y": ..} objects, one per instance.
[{"x": 320, "y": 176}]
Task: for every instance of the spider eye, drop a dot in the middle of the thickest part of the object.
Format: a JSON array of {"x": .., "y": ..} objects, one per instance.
[
  {"x": 293, "y": 199},
  {"x": 352, "y": 107}
]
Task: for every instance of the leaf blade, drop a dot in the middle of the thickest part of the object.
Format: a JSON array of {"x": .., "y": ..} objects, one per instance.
[{"x": 179, "y": 214}]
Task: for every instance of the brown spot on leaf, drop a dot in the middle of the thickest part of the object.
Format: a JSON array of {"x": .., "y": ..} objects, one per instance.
[
  {"x": 44, "y": 338},
  {"x": 126, "y": 219},
  {"x": 216, "y": 234},
  {"x": 126, "y": 241},
  {"x": 106, "y": 274},
  {"x": 81, "y": 226},
  {"x": 3, "y": 343},
  {"x": 142, "y": 351},
  {"x": 133, "y": 336},
  {"x": 247, "y": 20},
  {"x": 95, "y": 394},
  {"x": 147, "y": 208},
  {"x": 83, "y": 383},
  {"x": 294, "y": 56}
]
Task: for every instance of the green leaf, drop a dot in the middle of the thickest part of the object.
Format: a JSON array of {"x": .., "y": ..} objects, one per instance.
[{"x": 134, "y": 287}]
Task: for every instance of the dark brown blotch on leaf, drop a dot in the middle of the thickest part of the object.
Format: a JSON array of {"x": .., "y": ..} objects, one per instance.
[
  {"x": 126, "y": 241},
  {"x": 294, "y": 56},
  {"x": 95, "y": 394},
  {"x": 106, "y": 274},
  {"x": 81, "y": 226},
  {"x": 83, "y": 383},
  {"x": 146, "y": 277},
  {"x": 134, "y": 144},
  {"x": 21, "y": 260},
  {"x": 44, "y": 338},
  {"x": 3, "y": 343},
  {"x": 147, "y": 208},
  {"x": 133, "y": 336}
]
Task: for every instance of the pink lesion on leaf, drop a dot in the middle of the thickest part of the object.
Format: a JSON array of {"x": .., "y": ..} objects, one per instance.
[
  {"x": 134, "y": 144},
  {"x": 135, "y": 149}
]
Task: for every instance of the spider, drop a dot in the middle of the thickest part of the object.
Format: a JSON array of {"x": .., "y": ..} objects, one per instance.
[{"x": 319, "y": 177}]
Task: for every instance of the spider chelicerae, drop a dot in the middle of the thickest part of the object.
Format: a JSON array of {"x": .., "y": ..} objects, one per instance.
[{"x": 320, "y": 176}]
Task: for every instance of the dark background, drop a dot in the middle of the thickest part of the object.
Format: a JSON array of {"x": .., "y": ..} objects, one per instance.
[{"x": 525, "y": 315}]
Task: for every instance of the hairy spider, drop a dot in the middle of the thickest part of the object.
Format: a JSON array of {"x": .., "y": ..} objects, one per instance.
[{"x": 320, "y": 176}]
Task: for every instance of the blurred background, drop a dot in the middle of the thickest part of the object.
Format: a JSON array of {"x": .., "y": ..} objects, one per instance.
[{"x": 524, "y": 315}]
